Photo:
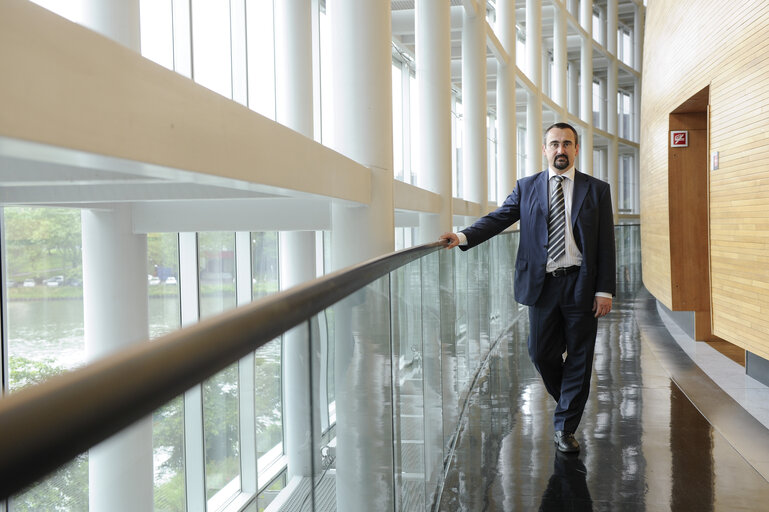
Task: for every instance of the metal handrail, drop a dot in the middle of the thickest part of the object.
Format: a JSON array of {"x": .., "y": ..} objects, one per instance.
[{"x": 44, "y": 426}]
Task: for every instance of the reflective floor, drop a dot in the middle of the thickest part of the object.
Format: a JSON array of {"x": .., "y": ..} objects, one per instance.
[{"x": 645, "y": 445}]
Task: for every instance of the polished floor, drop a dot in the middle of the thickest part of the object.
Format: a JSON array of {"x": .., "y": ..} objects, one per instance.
[{"x": 658, "y": 433}]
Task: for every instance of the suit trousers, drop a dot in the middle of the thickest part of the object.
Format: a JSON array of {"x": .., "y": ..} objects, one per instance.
[{"x": 558, "y": 325}]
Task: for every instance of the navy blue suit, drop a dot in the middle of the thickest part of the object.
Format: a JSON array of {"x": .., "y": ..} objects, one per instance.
[{"x": 560, "y": 312}]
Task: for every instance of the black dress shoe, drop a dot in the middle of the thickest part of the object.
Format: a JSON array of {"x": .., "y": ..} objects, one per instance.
[{"x": 565, "y": 442}]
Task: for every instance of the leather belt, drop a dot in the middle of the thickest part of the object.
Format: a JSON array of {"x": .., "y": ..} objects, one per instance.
[{"x": 563, "y": 271}]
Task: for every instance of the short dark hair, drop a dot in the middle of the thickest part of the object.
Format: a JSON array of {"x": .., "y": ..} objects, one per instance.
[{"x": 563, "y": 126}]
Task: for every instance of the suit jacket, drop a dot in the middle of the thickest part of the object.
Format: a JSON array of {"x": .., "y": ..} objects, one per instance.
[{"x": 592, "y": 224}]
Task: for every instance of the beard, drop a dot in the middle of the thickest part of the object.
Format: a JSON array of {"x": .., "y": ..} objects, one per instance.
[{"x": 561, "y": 162}]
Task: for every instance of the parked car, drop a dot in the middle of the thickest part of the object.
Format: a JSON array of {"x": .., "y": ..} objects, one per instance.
[
  {"x": 54, "y": 281},
  {"x": 153, "y": 280},
  {"x": 171, "y": 280},
  {"x": 29, "y": 283}
]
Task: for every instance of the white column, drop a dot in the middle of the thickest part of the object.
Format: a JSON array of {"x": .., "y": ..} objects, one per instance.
[
  {"x": 361, "y": 58},
  {"x": 534, "y": 134},
  {"x": 613, "y": 170},
  {"x": 586, "y": 80},
  {"x": 433, "y": 61},
  {"x": 300, "y": 425},
  {"x": 294, "y": 95},
  {"x": 638, "y": 37},
  {"x": 506, "y": 121},
  {"x": 560, "y": 57},
  {"x": 534, "y": 41},
  {"x": 586, "y": 15},
  {"x": 586, "y": 150},
  {"x": 474, "y": 103},
  {"x": 115, "y": 303},
  {"x": 573, "y": 79},
  {"x": 611, "y": 26},
  {"x": 116, "y": 19}
]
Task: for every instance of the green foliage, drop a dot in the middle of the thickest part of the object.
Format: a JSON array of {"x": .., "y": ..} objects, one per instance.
[
  {"x": 64, "y": 490},
  {"x": 41, "y": 242},
  {"x": 27, "y": 372}
]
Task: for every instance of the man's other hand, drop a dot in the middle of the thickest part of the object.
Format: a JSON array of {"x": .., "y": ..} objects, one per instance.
[
  {"x": 452, "y": 238},
  {"x": 601, "y": 306}
]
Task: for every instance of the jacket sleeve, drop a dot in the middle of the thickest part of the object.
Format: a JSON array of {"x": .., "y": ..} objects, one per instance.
[
  {"x": 607, "y": 271},
  {"x": 495, "y": 222}
]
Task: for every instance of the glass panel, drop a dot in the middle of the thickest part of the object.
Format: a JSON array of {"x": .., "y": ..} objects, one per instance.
[
  {"x": 397, "y": 86},
  {"x": 221, "y": 435},
  {"x": 45, "y": 325},
  {"x": 211, "y": 51},
  {"x": 407, "y": 378},
  {"x": 157, "y": 34},
  {"x": 270, "y": 493},
  {"x": 261, "y": 57},
  {"x": 168, "y": 421},
  {"x": 363, "y": 404},
  {"x": 269, "y": 409},
  {"x": 216, "y": 256},
  {"x": 264, "y": 258},
  {"x": 415, "y": 145}
]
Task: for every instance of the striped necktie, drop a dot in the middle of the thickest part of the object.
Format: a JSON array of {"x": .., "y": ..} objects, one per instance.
[{"x": 556, "y": 222}]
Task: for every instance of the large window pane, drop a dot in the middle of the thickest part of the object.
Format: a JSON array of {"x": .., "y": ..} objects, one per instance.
[
  {"x": 216, "y": 256},
  {"x": 211, "y": 52},
  {"x": 261, "y": 57},
  {"x": 269, "y": 403},
  {"x": 45, "y": 326},
  {"x": 168, "y": 421},
  {"x": 157, "y": 43}
]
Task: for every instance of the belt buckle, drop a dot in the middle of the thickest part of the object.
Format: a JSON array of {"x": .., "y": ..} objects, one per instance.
[{"x": 557, "y": 272}]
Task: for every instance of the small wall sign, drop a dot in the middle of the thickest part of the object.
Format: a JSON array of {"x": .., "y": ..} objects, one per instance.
[{"x": 679, "y": 138}]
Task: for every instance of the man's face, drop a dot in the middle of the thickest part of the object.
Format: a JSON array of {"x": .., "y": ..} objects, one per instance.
[{"x": 560, "y": 150}]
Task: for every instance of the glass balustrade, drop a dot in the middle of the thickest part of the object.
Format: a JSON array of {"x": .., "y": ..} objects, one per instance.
[{"x": 367, "y": 395}]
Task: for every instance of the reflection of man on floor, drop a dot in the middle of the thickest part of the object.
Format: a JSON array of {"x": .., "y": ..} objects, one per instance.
[{"x": 565, "y": 270}]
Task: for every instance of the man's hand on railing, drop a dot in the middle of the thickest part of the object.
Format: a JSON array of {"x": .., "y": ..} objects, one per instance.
[{"x": 451, "y": 238}]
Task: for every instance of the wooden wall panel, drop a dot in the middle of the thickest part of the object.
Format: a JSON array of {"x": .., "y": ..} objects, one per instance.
[{"x": 689, "y": 45}]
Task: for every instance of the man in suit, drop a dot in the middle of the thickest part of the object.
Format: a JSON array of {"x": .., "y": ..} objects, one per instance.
[{"x": 565, "y": 271}]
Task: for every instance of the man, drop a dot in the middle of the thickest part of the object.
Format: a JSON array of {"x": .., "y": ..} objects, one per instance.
[{"x": 564, "y": 272}]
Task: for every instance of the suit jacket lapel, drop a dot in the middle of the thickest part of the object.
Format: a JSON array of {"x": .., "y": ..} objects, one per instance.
[{"x": 580, "y": 191}]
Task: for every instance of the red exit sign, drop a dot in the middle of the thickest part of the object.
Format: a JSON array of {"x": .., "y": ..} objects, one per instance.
[{"x": 679, "y": 139}]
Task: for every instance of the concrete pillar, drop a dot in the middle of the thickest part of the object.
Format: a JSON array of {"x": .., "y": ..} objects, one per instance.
[
  {"x": 474, "y": 155},
  {"x": 534, "y": 41},
  {"x": 115, "y": 300},
  {"x": 586, "y": 151},
  {"x": 586, "y": 16},
  {"x": 586, "y": 80},
  {"x": 573, "y": 78},
  {"x": 638, "y": 37},
  {"x": 507, "y": 139},
  {"x": 294, "y": 108},
  {"x": 560, "y": 57},
  {"x": 433, "y": 62},
  {"x": 301, "y": 426},
  {"x": 115, "y": 305},
  {"x": 361, "y": 57},
  {"x": 611, "y": 26},
  {"x": 116, "y": 19},
  {"x": 534, "y": 134},
  {"x": 613, "y": 173}
]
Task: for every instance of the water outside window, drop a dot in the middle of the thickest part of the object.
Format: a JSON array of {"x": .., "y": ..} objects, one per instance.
[{"x": 45, "y": 326}]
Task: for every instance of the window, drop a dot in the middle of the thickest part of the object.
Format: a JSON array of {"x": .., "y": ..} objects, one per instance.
[
  {"x": 45, "y": 325},
  {"x": 397, "y": 121}
]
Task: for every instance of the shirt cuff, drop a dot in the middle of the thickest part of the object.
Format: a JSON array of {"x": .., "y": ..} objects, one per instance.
[
  {"x": 462, "y": 238},
  {"x": 603, "y": 294}
]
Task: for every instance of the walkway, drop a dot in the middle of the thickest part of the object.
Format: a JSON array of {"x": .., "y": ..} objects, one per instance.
[{"x": 645, "y": 445}]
